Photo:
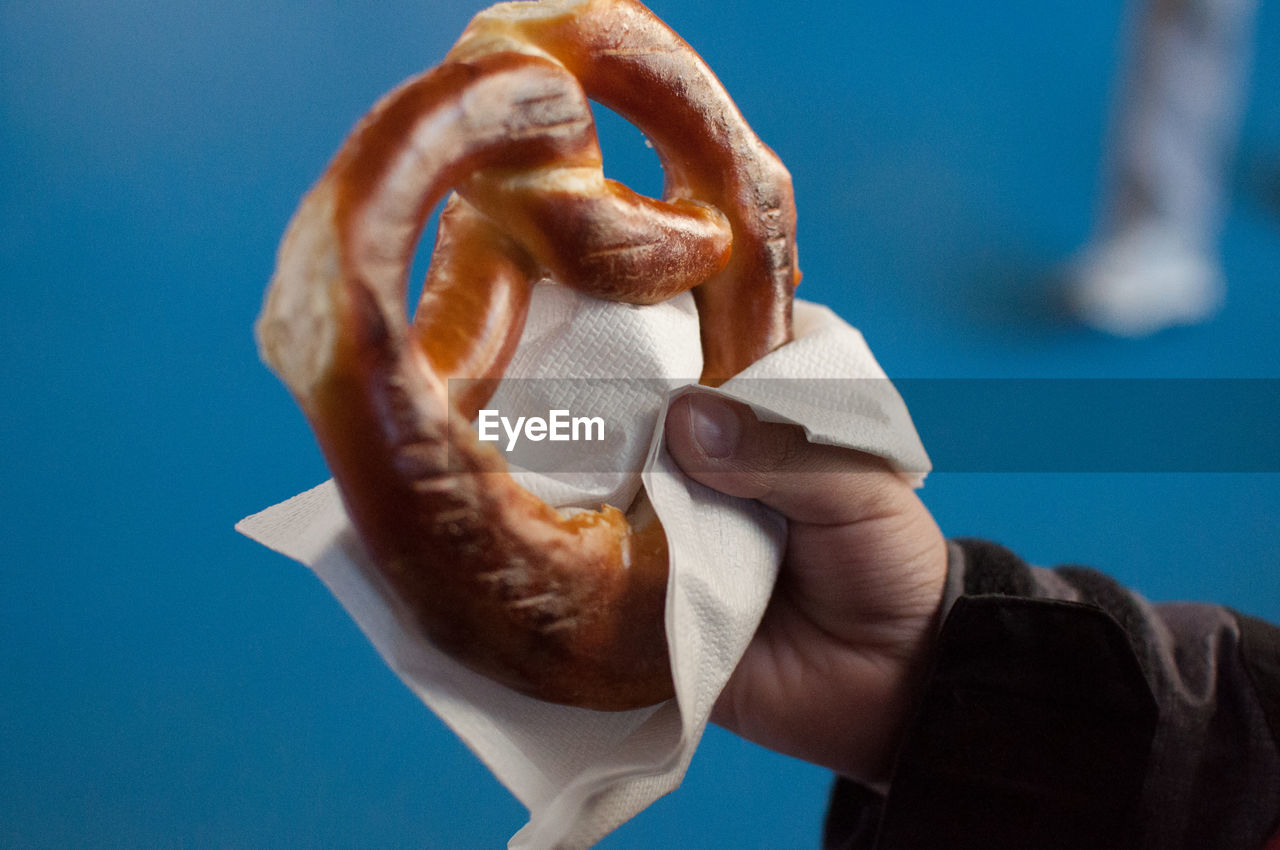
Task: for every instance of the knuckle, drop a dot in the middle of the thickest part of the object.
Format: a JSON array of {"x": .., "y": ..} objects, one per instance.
[{"x": 773, "y": 451}]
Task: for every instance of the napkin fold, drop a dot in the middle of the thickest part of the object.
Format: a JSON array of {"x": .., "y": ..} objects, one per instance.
[{"x": 582, "y": 773}]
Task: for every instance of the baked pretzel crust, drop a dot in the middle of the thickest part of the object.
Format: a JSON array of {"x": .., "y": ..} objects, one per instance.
[{"x": 566, "y": 608}]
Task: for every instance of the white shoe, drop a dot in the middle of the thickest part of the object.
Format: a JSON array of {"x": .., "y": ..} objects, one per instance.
[{"x": 1142, "y": 282}]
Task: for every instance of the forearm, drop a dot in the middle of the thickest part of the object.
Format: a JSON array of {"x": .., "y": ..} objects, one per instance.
[{"x": 1063, "y": 710}]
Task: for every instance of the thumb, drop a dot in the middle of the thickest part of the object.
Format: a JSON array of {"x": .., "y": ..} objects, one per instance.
[{"x": 723, "y": 445}]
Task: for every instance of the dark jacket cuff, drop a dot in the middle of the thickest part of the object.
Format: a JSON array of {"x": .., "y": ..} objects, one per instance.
[{"x": 1064, "y": 711}]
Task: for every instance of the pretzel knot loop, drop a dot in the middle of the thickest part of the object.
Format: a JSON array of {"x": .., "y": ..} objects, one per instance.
[{"x": 563, "y": 608}]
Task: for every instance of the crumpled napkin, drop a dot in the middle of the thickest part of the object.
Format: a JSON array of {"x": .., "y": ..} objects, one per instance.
[{"x": 582, "y": 773}]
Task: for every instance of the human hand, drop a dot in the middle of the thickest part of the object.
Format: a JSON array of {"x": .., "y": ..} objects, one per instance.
[{"x": 831, "y": 673}]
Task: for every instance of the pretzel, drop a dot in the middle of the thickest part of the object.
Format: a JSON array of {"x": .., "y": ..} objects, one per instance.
[{"x": 565, "y": 608}]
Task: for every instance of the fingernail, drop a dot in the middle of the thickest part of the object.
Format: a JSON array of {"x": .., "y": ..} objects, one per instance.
[{"x": 716, "y": 427}]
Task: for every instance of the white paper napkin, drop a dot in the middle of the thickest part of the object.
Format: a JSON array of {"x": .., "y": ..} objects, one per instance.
[{"x": 582, "y": 773}]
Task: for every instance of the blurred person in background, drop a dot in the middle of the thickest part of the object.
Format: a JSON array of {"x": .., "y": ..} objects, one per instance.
[{"x": 1153, "y": 260}]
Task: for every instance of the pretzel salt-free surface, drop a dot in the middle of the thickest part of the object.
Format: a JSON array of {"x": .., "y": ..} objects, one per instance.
[{"x": 567, "y": 608}]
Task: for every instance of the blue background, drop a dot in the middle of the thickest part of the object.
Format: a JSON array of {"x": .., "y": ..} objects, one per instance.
[{"x": 164, "y": 681}]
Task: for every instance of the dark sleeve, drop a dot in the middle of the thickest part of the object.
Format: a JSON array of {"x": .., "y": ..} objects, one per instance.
[{"x": 1063, "y": 711}]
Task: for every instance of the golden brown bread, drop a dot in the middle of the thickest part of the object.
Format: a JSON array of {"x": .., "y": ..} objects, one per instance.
[{"x": 564, "y": 608}]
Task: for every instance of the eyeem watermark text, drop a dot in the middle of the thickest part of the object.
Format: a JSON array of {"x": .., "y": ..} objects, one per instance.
[{"x": 558, "y": 427}]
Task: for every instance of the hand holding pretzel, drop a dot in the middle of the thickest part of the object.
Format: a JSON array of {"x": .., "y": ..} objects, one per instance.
[{"x": 563, "y": 608}]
